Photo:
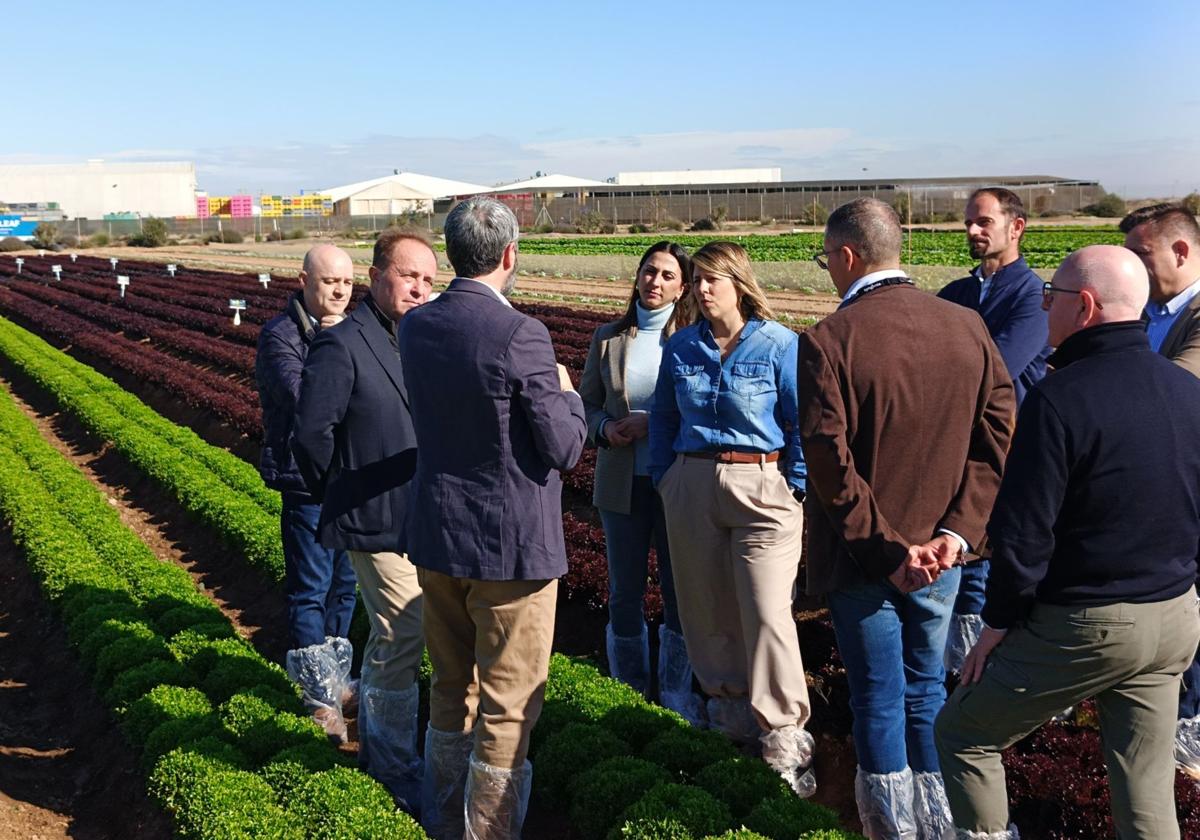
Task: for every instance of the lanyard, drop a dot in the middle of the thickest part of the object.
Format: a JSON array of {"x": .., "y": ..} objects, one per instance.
[{"x": 886, "y": 281}]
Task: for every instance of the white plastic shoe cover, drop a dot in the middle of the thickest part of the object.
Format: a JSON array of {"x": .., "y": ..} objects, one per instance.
[
  {"x": 675, "y": 677},
  {"x": 387, "y": 734},
  {"x": 629, "y": 658},
  {"x": 733, "y": 717},
  {"x": 963, "y": 634},
  {"x": 315, "y": 669},
  {"x": 443, "y": 790},
  {"x": 1187, "y": 744},
  {"x": 930, "y": 807},
  {"x": 496, "y": 802},
  {"x": 789, "y": 752},
  {"x": 1008, "y": 834},
  {"x": 885, "y": 804},
  {"x": 343, "y": 652}
]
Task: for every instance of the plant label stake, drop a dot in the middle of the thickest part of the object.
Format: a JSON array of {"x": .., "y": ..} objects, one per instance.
[
  {"x": 20, "y": 262},
  {"x": 41, "y": 253},
  {"x": 122, "y": 281},
  {"x": 114, "y": 261},
  {"x": 57, "y": 269},
  {"x": 74, "y": 257},
  {"x": 264, "y": 279},
  {"x": 238, "y": 306},
  {"x": 171, "y": 269}
]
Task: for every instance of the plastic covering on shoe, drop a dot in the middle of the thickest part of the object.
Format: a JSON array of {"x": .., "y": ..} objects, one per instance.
[
  {"x": 1008, "y": 834},
  {"x": 350, "y": 697},
  {"x": 496, "y": 801},
  {"x": 443, "y": 790},
  {"x": 315, "y": 670},
  {"x": 629, "y": 658},
  {"x": 789, "y": 752},
  {"x": 387, "y": 735},
  {"x": 733, "y": 717},
  {"x": 962, "y": 636},
  {"x": 885, "y": 804},
  {"x": 1187, "y": 744},
  {"x": 343, "y": 651},
  {"x": 675, "y": 677},
  {"x": 930, "y": 807}
]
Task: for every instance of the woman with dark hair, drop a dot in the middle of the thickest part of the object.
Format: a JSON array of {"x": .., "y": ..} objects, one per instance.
[
  {"x": 618, "y": 389},
  {"x": 725, "y": 456}
]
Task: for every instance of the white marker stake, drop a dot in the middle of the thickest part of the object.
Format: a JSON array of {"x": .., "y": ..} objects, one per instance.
[
  {"x": 238, "y": 306},
  {"x": 20, "y": 262},
  {"x": 113, "y": 260},
  {"x": 41, "y": 253},
  {"x": 57, "y": 269},
  {"x": 264, "y": 279},
  {"x": 171, "y": 269},
  {"x": 122, "y": 281},
  {"x": 74, "y": 257}
]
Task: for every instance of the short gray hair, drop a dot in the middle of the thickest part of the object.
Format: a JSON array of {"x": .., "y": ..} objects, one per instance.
[
  {"x": 477, "y": 232},
  {"x": 870, "y": 227}
]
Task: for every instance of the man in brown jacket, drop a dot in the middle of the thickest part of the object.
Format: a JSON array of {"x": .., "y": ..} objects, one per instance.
[{"x": 906, "y": 410}]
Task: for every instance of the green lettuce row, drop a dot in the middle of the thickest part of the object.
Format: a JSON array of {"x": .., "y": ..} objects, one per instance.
[
  {"x": 208, "y": 482},
  {"x": 224, "y": 741},
  {"x": 232, "y": 470}
]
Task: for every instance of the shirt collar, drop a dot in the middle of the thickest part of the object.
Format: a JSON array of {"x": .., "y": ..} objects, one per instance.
[
  {"x": 1176, "y": 303},
  {"x": 868, "y": 279},
  {"x": 749, "y": 329},
  {"x": 499, "y": 296}
]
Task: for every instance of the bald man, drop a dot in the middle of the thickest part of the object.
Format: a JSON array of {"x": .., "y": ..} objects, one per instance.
[
  {"x": 319, "y": 582},
  {"x": 1094, "y": 537}
]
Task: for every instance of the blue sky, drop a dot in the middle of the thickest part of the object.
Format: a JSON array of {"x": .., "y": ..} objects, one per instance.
[{"x": 304, "y": 95}]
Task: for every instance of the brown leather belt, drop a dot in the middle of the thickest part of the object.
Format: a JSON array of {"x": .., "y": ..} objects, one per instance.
[{"x": 730, "y": 457}]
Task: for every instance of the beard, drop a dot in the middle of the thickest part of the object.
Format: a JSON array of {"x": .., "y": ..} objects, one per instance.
[{"x": 510, "y": 282}]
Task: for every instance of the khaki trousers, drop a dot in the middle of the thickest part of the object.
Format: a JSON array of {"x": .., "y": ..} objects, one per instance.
[
  {"x": 1128, "y": 656},
  {"x": 391, "y": 595},
  {"x": 489, "y": 642},
  {"x": 735, "y": 536}
]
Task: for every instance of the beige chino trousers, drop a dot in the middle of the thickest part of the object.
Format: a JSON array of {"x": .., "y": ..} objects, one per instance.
[
  {"x": 735, "y": 536},
  {"x": 489, "y": 642},
  {"x": 392, "y": 598}
]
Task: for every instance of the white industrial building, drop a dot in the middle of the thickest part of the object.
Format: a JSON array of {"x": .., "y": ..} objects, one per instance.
[
  {"x": 547, "y": 184},
  {"x": 394, "y": 194},
  {"x": 768, "y": 175},
  {"x": 96, "y": 188}
]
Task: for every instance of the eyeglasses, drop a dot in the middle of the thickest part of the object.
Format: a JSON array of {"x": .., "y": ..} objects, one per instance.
[
  {"x": 823, "y": 263},
  {"x": 1048, "y": 290}
]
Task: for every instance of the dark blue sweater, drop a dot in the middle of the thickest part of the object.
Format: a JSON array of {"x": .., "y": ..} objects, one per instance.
[
  {"x": 1014, "y": 317},
  {"x": 1100, "y": 501}
]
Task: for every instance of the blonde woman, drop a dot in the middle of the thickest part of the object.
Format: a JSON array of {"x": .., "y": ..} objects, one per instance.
[
  {"x": 618, "y": 390},
  {"x": 725, "y": 456}
]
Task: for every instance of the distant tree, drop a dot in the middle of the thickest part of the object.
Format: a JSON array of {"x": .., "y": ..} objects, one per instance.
[
  {"x": 1191, "y": 203},
  {"x": 1108, "y": 206},
  {"x": 719, "y": 214},
  {"x": 903, "y": 205},
  {"x": 814, "y": 214},
  {"x": 154, "y": 234},
  {"x": 45, "y": 234}
]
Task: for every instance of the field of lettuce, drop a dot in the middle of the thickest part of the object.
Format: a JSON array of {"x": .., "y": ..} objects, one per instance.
[
  {"x": 223, "y": 742},
  {"x": 1043, "y": 247}
]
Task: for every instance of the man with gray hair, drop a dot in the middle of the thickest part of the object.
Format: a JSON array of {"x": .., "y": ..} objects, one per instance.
[
  {"x": 496, "y": 421},
  {"x": 1094, "y": 535},
  {"x": 905, "y": 415}
]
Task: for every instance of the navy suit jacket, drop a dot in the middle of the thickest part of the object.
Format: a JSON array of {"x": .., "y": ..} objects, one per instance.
[
  {"x": 494, "y": 429},
  {"x": 354, "y": 439},
  {"x": 1014, "y": 317}
]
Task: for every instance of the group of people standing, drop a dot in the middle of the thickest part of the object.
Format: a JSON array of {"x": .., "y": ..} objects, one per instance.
[{"x": 419, "y": 445}]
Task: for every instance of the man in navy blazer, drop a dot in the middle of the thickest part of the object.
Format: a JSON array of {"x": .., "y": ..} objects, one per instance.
[
  {"x": 1006, "y": 292},
  {"x": 496, "y": 422},
  {"x": 355, "y": 445}
]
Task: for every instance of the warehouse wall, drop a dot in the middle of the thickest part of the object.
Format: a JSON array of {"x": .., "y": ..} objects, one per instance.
[{"x": 93, "y": 189}]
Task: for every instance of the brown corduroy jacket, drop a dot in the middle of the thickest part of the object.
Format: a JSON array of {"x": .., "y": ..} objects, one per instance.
[{"x": 906, "y": 411}]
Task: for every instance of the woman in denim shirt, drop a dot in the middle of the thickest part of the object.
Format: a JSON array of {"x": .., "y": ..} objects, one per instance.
[
  {"x": 618, "y": 389},
  {"x": 725, "y": 456}
]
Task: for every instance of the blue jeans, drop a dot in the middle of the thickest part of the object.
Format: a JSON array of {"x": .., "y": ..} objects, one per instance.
[
  {"x": 970, "y": 588},
  {"x": 892, "y": 646},
  {"x": 318, "y": 582},
  {"x": 627, "y": 539},
  {"x": 1189, "y": 700}
]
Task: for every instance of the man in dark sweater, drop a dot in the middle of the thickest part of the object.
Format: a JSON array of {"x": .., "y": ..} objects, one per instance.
[
  {"x": 319, "y": 581},
  {"x": 1094, "y": 536},
  {"x": 1008, "y": 296}
]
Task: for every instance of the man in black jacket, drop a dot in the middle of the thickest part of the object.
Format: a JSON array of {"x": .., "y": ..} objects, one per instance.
[
  {"x": 355, "y": 445},
  {"x": 1094, "y": 546},
  {"x": 319, "y": 581}
]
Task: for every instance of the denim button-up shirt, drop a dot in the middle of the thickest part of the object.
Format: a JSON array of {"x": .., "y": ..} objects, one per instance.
[{"x": 746, "y": 403}]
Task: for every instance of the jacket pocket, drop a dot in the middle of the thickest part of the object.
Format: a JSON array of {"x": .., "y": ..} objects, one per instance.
[{"x": 373, "y": 516}]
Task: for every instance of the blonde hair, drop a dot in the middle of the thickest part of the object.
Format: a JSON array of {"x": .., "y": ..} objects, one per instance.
[{"x": 728, "y": 259}]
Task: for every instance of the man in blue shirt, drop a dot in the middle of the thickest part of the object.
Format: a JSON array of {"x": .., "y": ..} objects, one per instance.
[
  {"x": 1167, "y": 240},
  {"x": 1007, "y": 294}
]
